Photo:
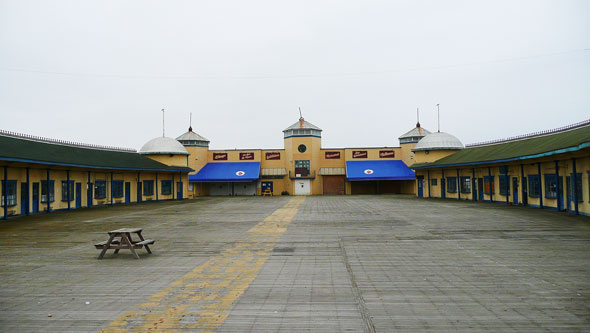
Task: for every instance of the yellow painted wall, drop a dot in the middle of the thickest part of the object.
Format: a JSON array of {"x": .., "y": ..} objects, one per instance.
[
  {"x": 426, "y": 156},
  {"x": 169, "y": 159}
]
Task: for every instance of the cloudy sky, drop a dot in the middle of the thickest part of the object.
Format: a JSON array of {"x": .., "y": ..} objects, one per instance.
[{"x": 101, "y": 71}]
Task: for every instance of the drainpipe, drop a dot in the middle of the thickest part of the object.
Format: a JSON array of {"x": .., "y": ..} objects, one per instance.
[
  {"x": 428, "y": 182},
  {"x": 490, "y": 182},
  {"x": 540, "y": 186},
  {"x": 522, "y": 184},
  {"x": 473, "y": 196},
  {"x": 47, "y": 193},
  {"x": 458, "y": 186},
  {"x": 5, "y": 193},
  {"x": 575, "y": 187},
  {"x": 28, "y": 193},
  {"x": 68, "y": 187}
]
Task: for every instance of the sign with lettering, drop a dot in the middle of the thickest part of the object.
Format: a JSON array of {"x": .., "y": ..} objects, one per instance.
[
  {"x": 246, "y": 156},
  {"x": 332, "y": 155},
  {"x": 220, "y": 156},
  {"x": 386, "y": 154},
  {"x": 273, "y": 156},
  {"x": 359, "y": 154}
]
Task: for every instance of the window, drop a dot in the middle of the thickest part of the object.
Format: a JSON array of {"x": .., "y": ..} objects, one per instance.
[
  {"x": 148, "y": 187},
  {"x": 451, "y": 184},
  {"x": 465, "y": 185},
  {"x": 190, "y": 187},
  {"x": 117, "y": 188},
  {"x": 504, "y": 185},
  {"x": 166, "y": 187},
  {"x": 302, "y": 168},
  {"x": 534, "y": 185},
  {"x": 489, "y": 185},
  {"x": 64, "y": 190},
  {"x": 47, "y": 191},
  {"x": 100, "y": 189},
  {"x": 302, "y": 148},
  {"x": 10, "y": 187},
  {"x": 578, "y": 187},
  {"x": 433, "y": 182},
  {"x": 550, "y": 186}
]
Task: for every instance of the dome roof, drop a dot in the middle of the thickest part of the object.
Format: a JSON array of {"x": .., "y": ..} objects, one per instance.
[
  {"x": 163, "y": 145},
  {"x": 438, "y": 141}
]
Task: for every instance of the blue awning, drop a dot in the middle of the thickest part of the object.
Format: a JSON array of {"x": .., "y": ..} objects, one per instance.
[
  {"x": 378, "y": 170},
  {"x": 227, "y": 172}
]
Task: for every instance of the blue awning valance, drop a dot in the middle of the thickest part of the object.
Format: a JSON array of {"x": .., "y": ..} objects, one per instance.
[
  {"x": 378, "y": 170},
  {"x": 227, "y": 172}
]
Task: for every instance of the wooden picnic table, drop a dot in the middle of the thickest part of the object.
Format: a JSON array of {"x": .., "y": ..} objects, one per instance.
[{"x": 121, "y": 239}]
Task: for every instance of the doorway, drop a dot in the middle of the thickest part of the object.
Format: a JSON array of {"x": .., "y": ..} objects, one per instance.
[{"x": 302, "y": 187}]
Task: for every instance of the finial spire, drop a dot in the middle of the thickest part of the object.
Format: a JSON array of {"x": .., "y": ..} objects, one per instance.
[
  {"x": 163, "y": 132},
  {"x": 417, "y": 117},
  {"x": 438, "y": 112},
  {"x": 300, "y": 115},
  {"x": 190, "y": 124}
]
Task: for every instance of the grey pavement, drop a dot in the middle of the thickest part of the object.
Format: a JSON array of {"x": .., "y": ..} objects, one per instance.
[{"x": 342, "y": 263}]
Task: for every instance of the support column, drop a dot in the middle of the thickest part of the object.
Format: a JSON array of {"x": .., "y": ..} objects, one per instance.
[
  {"x": 458, "y": 186},
  {"x": 68, "y": 187},
  {"x": 139, "y": 193},
  {"x": 173, "y": 185},
  {"x": 443, "y": 183},
  {"x": 507, "y": 182},
  {"x": 575, "y": 187},
  {"x": 5, "y": 192},
  {"x": 473, "y": 190},
  {"x": 157, "y": 186},
  {"x": 47, "y": 193},
  {"x": 492, "y": 188},
  {"x": 428, "y": 171},
  {"x": 28, "y": 192},
  {"x": 559, "y": 196},
  {"x": 111, "y": 188},
  {"x": 182, "y": 187},
  {"x": 88, "y": 190},
  {"x": 522, "y": 189},
  {"x": 540, "y": 185}
]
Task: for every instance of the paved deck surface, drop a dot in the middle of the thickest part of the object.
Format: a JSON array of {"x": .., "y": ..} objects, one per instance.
[{"x": 332, "y": 264}]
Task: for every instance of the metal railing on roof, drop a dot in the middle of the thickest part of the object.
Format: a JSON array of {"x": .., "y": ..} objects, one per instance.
[
  {"x": 63, "y": 142},
  {"x": 530, "y": 135}
]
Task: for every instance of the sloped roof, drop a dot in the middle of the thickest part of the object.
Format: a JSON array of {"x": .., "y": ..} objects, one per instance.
[
  {"x": 32, "y": 151},
  {"x": 520, "y": 149},
  {"x": 191, "y": 136},
  {"x": 302, "y": 124},
  {"x": 415, "y": 132}
]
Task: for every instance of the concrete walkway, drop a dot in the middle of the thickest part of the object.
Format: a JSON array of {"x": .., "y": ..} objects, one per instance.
[{"x": 332, "y": 264}]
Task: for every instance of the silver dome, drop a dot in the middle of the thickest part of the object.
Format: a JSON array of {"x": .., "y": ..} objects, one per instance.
[
  {"x": 163, "y": 145},
  {"x": 438, "y": 141}
]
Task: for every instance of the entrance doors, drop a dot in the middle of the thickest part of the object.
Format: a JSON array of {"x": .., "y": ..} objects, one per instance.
[
  {"x": 139, "y": 192},
  {"x": 24, "y": 198},
  {"x": 266, "y": 186},
  {"x": 333, "y": 184},
  {"x": 480, "y": 189},
  {"x": 35, "y": 197},
  {"x": 443, "y": 188},
  {"x": 515, "y": 190},
  {"x": 78, "y": 195},
  {"x": 420, "y": 183},
  {"x": 525, "y": 197},
  {"x": 179, "y": 190},
  {"x": 302, "y": 187},
  {"x": 127, "y": 192}
]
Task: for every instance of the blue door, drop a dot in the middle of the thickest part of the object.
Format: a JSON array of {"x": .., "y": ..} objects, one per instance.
[
  {"x": 179, "y": 191},
  {"x": 127, "y": 192},
  {"x": 480, "y": 189},
  {"x": 24, "y": 198},
  {"x": 443, "y": 188},
  {"x": 78, "y": 195},
  {"x": 264, "y": 186},
  {"x": 138, "y": 191},
  {"x": 35, "y": 197},
  {"x": 515, "y": 190},
  {"x": 420, "y": 183}
]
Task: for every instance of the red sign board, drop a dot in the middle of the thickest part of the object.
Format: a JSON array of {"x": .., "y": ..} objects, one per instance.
[
  {"x": 273, "y": 156},
  {"x": 332, "y": 155},
  {"x": 246, "y": 156},
  {"x": 359, "y": 154},
  {"x": 220, "y": 156},
  {"x": 386, "y": 154}
]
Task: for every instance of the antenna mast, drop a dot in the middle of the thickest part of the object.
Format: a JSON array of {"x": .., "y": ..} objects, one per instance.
[
  {"x": 438, "y": 111},
  {"x": 163, "y": 134},
  {"x": 190, "y": 124},
  {"x": 300, "y": 115},
  {"x": 417, "y": 117}
]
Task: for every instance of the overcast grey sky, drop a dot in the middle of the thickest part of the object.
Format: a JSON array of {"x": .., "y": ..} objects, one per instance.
[{"x": 100, "y": 71}]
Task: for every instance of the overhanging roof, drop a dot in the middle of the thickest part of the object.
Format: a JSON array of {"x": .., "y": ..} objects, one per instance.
[
  {"x": 227, "y": 172},
  {"x": 522, "y": 149},
  {"x": 378, "y": 170},
  {"x": 16, "y": 149}
]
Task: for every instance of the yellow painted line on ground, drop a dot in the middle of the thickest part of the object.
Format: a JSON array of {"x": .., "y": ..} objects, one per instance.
[{"x": 201, "y": 299}]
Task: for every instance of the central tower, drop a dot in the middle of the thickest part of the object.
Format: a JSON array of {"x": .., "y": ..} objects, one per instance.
[{"x": 303, "y": 142}]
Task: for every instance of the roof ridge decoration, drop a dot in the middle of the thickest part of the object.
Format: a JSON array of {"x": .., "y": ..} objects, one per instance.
[
  {"x": 531, "y": 135},
  {"x": 63, "y": 142}
]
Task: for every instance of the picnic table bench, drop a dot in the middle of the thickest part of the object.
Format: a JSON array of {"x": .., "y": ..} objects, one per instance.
[{"x": 121, "y": 239}]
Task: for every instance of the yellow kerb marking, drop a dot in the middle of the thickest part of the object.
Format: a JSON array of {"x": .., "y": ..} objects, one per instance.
[{"x": 201, "y": 299}]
